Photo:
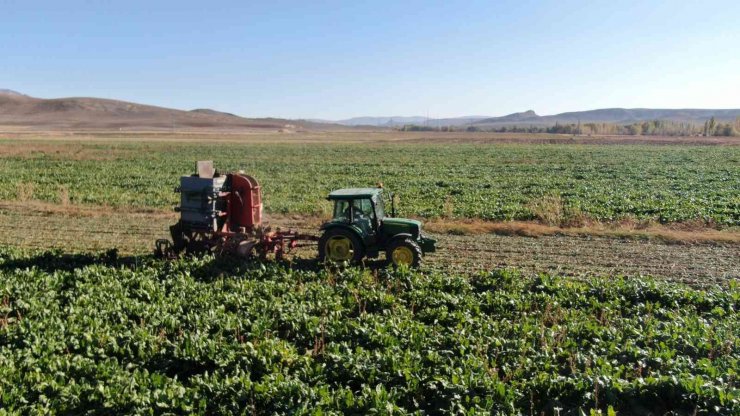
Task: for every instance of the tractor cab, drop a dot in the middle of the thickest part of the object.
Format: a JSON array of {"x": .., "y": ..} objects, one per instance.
[
  {"x": 359, "y": 227},
  {"x": 363, "y": 208}
]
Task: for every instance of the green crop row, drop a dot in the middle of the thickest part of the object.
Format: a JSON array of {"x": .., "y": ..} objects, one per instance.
[
  {"x": 84, "y": 334},
  {"x": 556, "y": 183}
]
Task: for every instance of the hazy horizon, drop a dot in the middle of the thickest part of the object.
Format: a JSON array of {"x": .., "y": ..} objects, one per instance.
[{"x": 336, "y": 61}]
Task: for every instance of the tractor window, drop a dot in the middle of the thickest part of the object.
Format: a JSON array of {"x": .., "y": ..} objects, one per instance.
[
  {"x": 341, "y": 210},
  {"x": 363, "y": 209},
  {"x": 363, "y": 215}
]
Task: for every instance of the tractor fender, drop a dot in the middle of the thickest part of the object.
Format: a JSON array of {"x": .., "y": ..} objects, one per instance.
[
  {"x": 426, "y": 244},
  {"x": 400, "y": 236},
  {"x": 350, "y": 227}
]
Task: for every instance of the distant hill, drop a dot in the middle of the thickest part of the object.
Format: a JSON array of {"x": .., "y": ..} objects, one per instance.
[
  {"x": 612, "y": 115},
  {"x": 82, "y": 113},
  {"x": 4, "y": 91},
  {"x": 525, "y": 116},
  {"x": 397, "y": 121},
  {"x": 212, "y": 112},
  {"x": 19, "y": 111},
  {"x": 381, "y": 121},
  {"x": 528, "y": 118}
]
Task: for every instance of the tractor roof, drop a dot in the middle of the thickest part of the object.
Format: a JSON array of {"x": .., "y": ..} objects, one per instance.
[{"x": 352, "y": 193}]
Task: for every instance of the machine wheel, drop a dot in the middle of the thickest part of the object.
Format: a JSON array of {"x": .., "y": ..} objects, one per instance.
[
  {"x": 197, "y": 244},
  {"x": 403, "y": 251},
  {"x": 178, "y": 238},
  {"x": 339, "y": 245}
]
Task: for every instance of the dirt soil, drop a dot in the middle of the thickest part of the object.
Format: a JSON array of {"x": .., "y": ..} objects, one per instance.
[{"x": 71, "y": 228}]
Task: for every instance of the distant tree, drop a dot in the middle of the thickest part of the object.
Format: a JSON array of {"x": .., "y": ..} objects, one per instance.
[
  {"x": 725, "y": 130},
  {"x": 645, "y": 128}
]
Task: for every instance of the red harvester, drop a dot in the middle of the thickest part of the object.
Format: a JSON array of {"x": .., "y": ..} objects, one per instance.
[{"x": 222, "y": 214}]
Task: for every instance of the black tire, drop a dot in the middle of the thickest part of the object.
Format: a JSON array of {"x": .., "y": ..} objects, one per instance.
[
  {"x": 412, "y": 252},
  {"x": 357, "y": 248},
  {"x": 178, "y": 238}
]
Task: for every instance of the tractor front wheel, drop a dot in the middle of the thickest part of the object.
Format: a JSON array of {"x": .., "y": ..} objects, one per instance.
[
  {"x": 404, "y": 251},
  {"x": 340, "y": 245}
]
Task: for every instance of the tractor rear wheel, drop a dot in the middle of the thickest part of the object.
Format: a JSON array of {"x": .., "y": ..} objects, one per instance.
[
  {"x": 338, "y": 245},
  {"x": 403, "y": 251}
]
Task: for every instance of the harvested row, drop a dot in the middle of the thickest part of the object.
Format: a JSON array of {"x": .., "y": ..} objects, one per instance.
[{"x": 134, "y": 233}]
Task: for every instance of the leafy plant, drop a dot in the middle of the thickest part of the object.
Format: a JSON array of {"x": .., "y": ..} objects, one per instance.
[
  {"x": 554, "y": 183},
  {"x": 93, "y": 334}
]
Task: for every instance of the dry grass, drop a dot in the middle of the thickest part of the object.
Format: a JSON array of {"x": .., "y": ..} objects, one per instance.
[
  {"x": 67, "y": 151},
  {"x": 352, "y": 135},
  {"x": 548, "y": 209},
  {"x": 448, "y": 207},
  {"x": 63, "y": 196},
  {"x": 66, "y": 209},
  {"x": 682, "y": 233},
  {"x": 475, "y": 227},
  {"x": 25, "y": 191},
  {"x": 552, "y": 210}
]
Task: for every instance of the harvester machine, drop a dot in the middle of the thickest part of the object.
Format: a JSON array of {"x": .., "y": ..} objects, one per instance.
[{"x": 222, "y": 214}]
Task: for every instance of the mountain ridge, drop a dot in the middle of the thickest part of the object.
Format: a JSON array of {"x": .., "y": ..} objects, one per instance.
[
  {"x": 615, "y": 115},
  {"x": 22, "y": 111},
  {"x": 83, "y": 113},
  {"x": 620, "y": 115},
  {"x": 6, "y": 91}
]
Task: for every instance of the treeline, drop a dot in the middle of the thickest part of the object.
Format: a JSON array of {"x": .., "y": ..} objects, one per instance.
[{"x": 646, "y": 128}]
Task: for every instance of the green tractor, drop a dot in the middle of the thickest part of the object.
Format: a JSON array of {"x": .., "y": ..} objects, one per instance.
[{"x": 359, "y": 228}]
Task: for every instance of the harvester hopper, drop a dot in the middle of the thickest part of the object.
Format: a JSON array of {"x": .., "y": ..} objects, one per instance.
[{"x": 222, "y": 214}]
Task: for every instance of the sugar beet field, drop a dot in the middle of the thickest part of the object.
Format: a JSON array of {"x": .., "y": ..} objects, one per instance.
[
  {"x": 557, "y": 324},
  {"x": 493, "y": 182}
]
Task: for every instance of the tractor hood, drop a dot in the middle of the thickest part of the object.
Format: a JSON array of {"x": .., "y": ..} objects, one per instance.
[{"x": 393, "y": 226}]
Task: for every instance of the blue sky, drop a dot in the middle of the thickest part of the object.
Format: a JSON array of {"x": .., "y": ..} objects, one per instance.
[{"x": 331, "y": 59}]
